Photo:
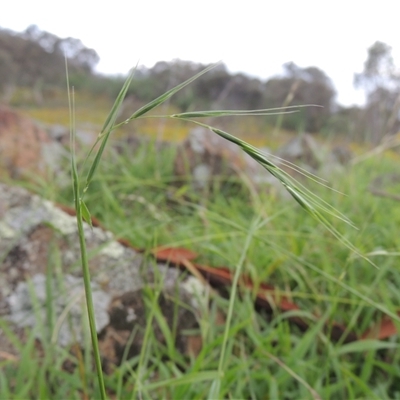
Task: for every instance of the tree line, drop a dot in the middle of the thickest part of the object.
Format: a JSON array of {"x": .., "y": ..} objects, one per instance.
[{"x": 35, "y": 59}]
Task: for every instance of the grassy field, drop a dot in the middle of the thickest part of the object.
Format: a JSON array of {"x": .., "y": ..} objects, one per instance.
[
  {"x": 266, "y": 356},
  {"x": 91, "y": 111},
  {"x": 273, "y": 240}
]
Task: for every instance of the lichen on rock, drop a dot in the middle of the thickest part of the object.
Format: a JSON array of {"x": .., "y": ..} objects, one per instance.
[{"x": 41, "y": 278}]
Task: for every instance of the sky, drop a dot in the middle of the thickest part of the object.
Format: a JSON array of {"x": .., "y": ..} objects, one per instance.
[{"x": 253, "y": 36}]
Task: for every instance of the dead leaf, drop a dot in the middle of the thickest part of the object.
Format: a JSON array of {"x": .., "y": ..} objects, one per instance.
[
  {"x": 221, "y": 277},
  {"x": 382, "y": 330},
  {"x": 175, "y": 255}
]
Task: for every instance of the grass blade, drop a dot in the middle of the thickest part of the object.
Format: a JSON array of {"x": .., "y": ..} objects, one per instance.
[
  {"x": 81, "y": 234},
  {"x": 230, "y": 113},
  {"x": 365, "y": 345},
  {"x": 112, "y": 116},
  {"x": 310, "y": 202},
  {"x": 161, "y": 99},
  {"x": 86, "y": 214},
  {"x": 108, "y": 127}
]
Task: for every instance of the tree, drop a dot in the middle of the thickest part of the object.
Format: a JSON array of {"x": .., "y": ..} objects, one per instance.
[
  {"x": 381, "y": 81},
  {"x": 79, "y": 55},
  {"x": 379, "y": 69},
  {"x": 302, "y": 86},
  {"x": 35, "y": 58},
  {"x": 8, "y": 74}
]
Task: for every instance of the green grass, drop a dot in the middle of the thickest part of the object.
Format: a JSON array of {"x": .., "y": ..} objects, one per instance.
[
  {"x": 265, "y": 357},
  {"x": 272, "y": 240}
]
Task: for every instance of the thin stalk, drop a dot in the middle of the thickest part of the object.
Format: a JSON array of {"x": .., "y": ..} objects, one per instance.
[
  {"x": 89, "y": 298},
  {"x": 215, "y": 387},
  {"x": 84, "y": 258}
]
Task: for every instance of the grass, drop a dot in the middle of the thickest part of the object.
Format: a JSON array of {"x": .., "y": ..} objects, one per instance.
[
  {"x": 271, "y": 239},
  {"x": 264, "y": 356},
  {"x": 91, "y": 110},
  {"x": 295, "y": 253}
]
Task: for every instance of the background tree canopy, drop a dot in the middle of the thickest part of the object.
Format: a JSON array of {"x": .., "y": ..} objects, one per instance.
[{"x": 35, "y": 59}]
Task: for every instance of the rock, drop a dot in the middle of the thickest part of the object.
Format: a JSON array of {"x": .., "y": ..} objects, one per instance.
[
  {"x": 28, "y": 149},
  {"x": 302, "y": 151},
  {"x": 61, "y": 134},
  {"x": 206, "y": 156},
  {"x": 67, "y": 293},
  {"x": 134, "y": 144},
  {"x": 320, "y": 159},
  {"x": 335, "y": 161},
  {"x": 341, "y": 154},
  {"x": 21, "y": 142},
  {"x": 128, "y": 311},
  {"x": 58, "y": 132},
  {"x": 40, "y": 260}
]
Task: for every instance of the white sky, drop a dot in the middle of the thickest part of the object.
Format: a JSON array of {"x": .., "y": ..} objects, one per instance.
[{"x": 255, "y": 37}]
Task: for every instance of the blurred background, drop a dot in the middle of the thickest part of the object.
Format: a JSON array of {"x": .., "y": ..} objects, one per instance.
[{"x": 341, "y": 56}]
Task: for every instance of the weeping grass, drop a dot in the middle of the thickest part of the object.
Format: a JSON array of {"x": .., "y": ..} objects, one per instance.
[{"x": 221, "y": 371}]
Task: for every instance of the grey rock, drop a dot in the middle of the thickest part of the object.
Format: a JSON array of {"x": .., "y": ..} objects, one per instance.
[
  {"x": 40, "y": 256},
  {"x": 29, "y": 305},
  {"x": 206, "y": 156},
  {"x": 302, "y": 150}
]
